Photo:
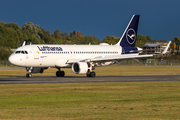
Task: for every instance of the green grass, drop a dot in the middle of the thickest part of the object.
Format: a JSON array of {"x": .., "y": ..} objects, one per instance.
[{"x": 134, "y": 100}]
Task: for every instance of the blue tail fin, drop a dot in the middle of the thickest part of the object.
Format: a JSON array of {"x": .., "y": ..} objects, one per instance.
[{"x": 128, "y": 38}]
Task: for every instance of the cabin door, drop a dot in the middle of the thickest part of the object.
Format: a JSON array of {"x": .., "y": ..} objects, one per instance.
[{"x": 36, "y": 53}]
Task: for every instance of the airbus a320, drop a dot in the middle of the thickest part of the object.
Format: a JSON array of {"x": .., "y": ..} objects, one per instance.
[{"x": 81, "y": 58}]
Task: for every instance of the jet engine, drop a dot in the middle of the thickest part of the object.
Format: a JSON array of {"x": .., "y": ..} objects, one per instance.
[
  {"x": 81, "y": 67},
  {"x": 35, "y": 69}
]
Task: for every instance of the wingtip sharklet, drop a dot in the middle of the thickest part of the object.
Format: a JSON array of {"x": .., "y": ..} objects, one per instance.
[
  {"x": 24, "y": 43},
  {"x": 165, "y": 50}
]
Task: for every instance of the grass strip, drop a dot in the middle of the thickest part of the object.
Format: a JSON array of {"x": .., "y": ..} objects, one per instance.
[{"x": 132, "y": 100}]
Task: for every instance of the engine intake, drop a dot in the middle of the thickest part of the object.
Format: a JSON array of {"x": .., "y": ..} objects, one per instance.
[{"x": 80, "y": 67}]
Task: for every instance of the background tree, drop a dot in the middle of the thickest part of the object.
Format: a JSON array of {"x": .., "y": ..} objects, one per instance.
[
  {"x": 4, "y": 53},
  {"x": 8, "y": 37},
  {"x": 33, "y": 29},
  {"x": 64, "y": 35},
  {"x": 111, "y": 40},
  {"x": 57, "y": 34},
  {"x": 149, "y": 38},
  {"x": 172, "y": 44},
  {"x": 141, "y": 40},
  {"x": 177, "y": 42}
]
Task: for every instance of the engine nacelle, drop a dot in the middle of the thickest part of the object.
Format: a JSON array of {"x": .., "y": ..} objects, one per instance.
[
  {"x": 80, "y": 67},
  {"x": 35, "y": 69}
]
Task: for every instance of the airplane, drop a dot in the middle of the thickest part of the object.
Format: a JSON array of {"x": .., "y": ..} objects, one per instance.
[{"x": 81, "y": 58}]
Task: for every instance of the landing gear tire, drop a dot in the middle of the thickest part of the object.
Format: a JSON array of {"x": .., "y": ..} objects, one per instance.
[
  {"x": 60, "y": 73},
  {"x": 28, "y": 75},
  {"x": 57, "y": 74},
  {"x": 88, "y": 75},
  {"x": 92, "y": 74}
]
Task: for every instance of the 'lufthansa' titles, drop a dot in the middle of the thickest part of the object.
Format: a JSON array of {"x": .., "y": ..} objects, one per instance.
[{"x": 47, "y": 48}]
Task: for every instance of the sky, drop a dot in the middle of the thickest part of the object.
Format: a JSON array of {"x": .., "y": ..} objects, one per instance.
[{"x": 159, "y": 19}]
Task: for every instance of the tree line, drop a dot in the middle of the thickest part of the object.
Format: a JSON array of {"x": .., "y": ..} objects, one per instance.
[{"x": 12, "y": 37}]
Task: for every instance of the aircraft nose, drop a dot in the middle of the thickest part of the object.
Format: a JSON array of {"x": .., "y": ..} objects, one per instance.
[{"x": 12, "y": 60}]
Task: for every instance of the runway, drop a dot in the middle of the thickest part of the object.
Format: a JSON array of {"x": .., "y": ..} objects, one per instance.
[{"x": 83, "y": 79}]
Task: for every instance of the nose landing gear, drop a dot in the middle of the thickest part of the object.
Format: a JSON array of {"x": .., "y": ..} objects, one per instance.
[
  {"x": 29, "y": 70},
  {"x": 29, "y": 75}
]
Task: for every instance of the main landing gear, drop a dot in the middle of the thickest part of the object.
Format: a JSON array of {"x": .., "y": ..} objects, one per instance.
[
  {"x": 91, "y": 74},
  {"x": 60, "y": 73}
]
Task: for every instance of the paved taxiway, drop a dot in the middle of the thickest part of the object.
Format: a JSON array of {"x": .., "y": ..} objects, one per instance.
[{"x": 80, "y": 79}]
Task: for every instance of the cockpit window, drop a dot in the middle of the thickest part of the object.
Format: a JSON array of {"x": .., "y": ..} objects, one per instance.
[
  {"x": 21, "y": 52},
  {"x": 17, "y": 52},
  {"x": 26, "y": 52}
]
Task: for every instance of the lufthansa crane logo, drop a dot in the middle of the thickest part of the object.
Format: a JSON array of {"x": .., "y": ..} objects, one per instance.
[{"x": 131, "y": 36}]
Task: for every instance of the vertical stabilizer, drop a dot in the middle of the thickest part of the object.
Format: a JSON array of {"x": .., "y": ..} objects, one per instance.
[{"x": 128, "y": 38}]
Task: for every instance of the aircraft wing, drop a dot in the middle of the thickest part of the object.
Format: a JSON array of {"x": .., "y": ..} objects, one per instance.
[
  {"x": 109, "y": 58},
  {"x": 119, "y": 57}
]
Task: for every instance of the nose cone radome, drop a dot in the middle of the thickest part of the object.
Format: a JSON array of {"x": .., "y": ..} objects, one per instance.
[{"x": 12, "y": 59}]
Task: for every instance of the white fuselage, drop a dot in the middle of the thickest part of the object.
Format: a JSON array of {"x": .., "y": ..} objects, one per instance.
[{"x": 58, "y": 55}]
